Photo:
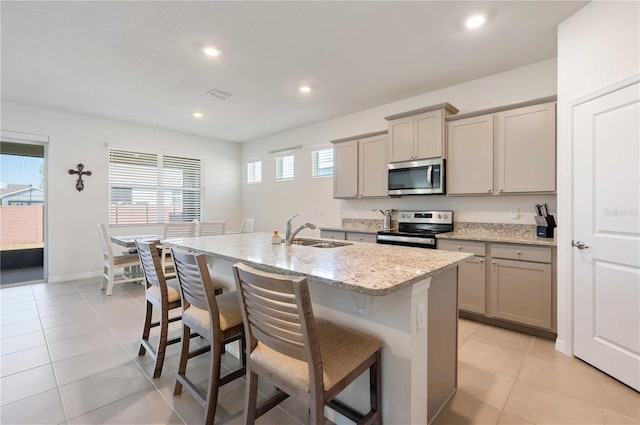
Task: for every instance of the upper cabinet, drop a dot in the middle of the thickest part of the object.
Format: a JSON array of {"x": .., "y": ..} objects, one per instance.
[
  {"x": 526, "y": 144},
  {"x": 502, "y": 151},
  {"x": 418, "y": 134},
  {"x": 360, "y": 166}
]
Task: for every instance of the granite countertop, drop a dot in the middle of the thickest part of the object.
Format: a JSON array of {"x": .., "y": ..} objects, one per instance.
[
  {"x": 373, "y": 269},
  {"x": 497, "y": 232}
]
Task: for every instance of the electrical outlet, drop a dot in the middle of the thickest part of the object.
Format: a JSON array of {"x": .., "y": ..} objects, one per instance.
[
  {"x": 420, "y": 316},
  {"x": 515, "y": 213}
]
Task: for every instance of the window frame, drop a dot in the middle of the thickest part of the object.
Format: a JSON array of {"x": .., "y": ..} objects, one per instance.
[
  {"x": 259, "y": 180},
  {"x": 316, "y": 152},
  {"x": 158, "y": 182},
  {"x": 281, "y": 157}
]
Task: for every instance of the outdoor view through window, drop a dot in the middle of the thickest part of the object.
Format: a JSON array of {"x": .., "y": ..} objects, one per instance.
[{"x": 22, "y": 183}]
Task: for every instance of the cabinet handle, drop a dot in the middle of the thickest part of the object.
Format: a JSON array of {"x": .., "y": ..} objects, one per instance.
[
  {"x": 518, "y": 252},
  {"x": 459, "y": 247},
  {"x": 501, "y": 189},
  {"x": 489, "y": 190},
  {"x": 481, "y": 261},
  {"x": 493, "y": 262}
]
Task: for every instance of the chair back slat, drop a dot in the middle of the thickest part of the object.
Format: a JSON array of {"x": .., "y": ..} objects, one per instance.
[
  {"x": 276, "y": 313},
  {"x": 150, "y": 262},
  {"x": 193, "y": 274},
  {"x": 247, "y": 225},
  {"x": 211, "y": 228},
  {"x": 105, "y": 242},
  {"x": 172, "y": 230}
]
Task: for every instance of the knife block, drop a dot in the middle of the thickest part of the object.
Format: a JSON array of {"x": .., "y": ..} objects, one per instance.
[{"x": 546, "y": 231}]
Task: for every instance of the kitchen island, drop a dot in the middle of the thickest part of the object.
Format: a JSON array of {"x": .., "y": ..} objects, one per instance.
[{"x": 405, "y": 296}]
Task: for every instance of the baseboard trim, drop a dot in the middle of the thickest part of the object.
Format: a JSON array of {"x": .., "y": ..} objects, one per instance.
[
  {"x": 508, "y": 325},
  {"x": 76, "y": 276}
]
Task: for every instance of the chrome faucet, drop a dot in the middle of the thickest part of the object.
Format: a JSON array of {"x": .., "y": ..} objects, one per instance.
[{"x": 289, "y": 235}]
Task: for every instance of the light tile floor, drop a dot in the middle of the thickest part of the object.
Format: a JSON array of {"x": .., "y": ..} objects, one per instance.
[{"x": 68, "y": 355}]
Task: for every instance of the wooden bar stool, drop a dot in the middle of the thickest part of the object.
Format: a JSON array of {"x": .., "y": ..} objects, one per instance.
[
  {"x": 217, "y": 319},
  {"x": 307, "y": 358},
  {"x": 174, "y": 230},
  {"x": 211, "y": 228},
  {"x": 162, "y": 294},
  {"x": 112, "y": 262}
]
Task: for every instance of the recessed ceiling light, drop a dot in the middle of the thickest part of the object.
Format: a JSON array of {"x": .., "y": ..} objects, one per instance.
[
  {"x": 198, "y": 114},
  {"x": 475, "y": 21},
  {"x": 212, "y": 51},
  {"x": 304, "y": 89}
]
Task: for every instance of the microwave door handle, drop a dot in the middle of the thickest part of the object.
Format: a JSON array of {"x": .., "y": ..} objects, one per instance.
[{"x": 429, "y": 176}]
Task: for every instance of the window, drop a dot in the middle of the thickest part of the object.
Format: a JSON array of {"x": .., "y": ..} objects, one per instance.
[
  {"x": 152, "y": 188},
  {"x": 284, "y": 168},
  {"x": 322, "y": 162},
  {"x": 254, "y": 172}
]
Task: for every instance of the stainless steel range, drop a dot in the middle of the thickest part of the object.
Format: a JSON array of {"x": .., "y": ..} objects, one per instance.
[{"x": 418, "y": 228}]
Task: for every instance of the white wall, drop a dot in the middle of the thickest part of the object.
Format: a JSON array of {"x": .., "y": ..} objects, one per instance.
[
  {"x": 273, "y": 202},
  {"x": 74, "y": 250},
  {"x": 598, "y": 46}
]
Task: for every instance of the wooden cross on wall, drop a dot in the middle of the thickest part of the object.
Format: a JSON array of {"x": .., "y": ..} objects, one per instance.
[{"x": 80, "y": 172}]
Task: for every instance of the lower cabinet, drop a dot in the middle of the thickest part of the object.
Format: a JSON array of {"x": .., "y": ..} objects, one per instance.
[
  {"x": 471, "y": 285},
  {"x": 361, "y": 237},
  {"x": 521, "y": 292},
  {"x": 332, "y": 234},
  {"x": 518, "y": 285},
  {"x": 350, "y": 236}
]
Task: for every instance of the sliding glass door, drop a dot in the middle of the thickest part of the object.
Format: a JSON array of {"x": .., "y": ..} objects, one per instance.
[{"x": 22, "y": 212}]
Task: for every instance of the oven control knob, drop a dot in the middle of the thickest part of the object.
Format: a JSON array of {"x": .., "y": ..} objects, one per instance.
[
  {"x": 446, "y": 216},
  {"x": 439, "y": 215}
]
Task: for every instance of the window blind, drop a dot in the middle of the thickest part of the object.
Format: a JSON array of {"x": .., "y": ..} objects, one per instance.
[
  {"x": 284, "y": 168},
  {"x": 151, "y": 188},
  {"x": 254, "y": 172},
  {"x": 322, "y": 162}
]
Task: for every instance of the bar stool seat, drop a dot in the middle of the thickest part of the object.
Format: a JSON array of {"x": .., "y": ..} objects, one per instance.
[
  {"x": 229, "y": 310},
  {"x": 173, "y": 291},
  {"x": 341, "y": 349}
]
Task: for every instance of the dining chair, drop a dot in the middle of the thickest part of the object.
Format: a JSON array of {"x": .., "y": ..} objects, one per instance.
[
  {"x": 160, "y": 293},
  {"x": 304, "y": 357},
  {"x": 210, "y": 228},
  {"x": 247, "y": 225},
  {"x": 217, "y": 319},
  {"x": 174, "y": 230},
  {"x": 128, "y": 263}
]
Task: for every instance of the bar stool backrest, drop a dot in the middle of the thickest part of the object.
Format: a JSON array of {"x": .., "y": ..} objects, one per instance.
[
  {"x": 150, "y": 262},
  {"x": 277, "y": 312},
  {"x": 210, "y": 228},
  {"x": 179, "y": 229},
  {"x": 196, "y": 287}
]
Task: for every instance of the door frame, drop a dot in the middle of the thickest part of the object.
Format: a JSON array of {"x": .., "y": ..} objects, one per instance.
[
  {"x": 37, "y": 139},
  {"x": 565, "y": 293}
]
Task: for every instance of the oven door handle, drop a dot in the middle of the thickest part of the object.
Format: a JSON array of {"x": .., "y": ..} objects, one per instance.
[{"x": 429, "y": 176}]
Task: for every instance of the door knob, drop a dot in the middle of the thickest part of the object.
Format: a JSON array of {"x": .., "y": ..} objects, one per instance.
[{"x": 579, "y": 244}]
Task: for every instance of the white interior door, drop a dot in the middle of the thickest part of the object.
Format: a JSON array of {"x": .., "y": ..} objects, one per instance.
[{"x": 606, "y": 233}]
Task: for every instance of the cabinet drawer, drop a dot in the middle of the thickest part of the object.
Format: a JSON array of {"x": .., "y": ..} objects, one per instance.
[
  {"x": 522, "y": 252},
  {"x": 361, "y": 237},
  {"x": 476, "y": 248},
  {"x": 332, "y": 234}
]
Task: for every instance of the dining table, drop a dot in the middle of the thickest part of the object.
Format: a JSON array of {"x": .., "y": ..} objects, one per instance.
[{"x": 129, "y": 241}]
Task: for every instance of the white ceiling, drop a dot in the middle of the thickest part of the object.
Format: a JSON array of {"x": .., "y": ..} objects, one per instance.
[{"x": 141, "y": 61}]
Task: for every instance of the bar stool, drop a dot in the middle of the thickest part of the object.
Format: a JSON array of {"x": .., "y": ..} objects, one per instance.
[
  {"x": 162, "y": 294},
  {"x": 217, "y": 319},
  {"x": 211, "y": 228},
  {"x": 112, "y": 262},
  {"x": 307, "y": 358}
]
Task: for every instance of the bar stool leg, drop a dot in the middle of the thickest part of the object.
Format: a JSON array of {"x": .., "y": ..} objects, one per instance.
[
  {"x": 146, "y": 330},
  {"x": 184, "y": 356},
  {"x": 251, "y": 398},
  {"x": 162, "y": 342},
  {"x": 214, "y": 383}
]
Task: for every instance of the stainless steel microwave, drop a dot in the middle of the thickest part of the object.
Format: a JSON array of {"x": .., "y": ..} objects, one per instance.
[{"x": 422, "y": 177}]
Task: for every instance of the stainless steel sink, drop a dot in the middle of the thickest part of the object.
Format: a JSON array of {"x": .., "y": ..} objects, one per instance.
[{"x": 316, "y": 243}]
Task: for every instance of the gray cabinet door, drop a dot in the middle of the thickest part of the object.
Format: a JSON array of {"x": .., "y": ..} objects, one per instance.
[
  {"x": 521, "y": 292},
  {"x": 471, "y": 285},
  {"x": 361, "y": 237},
  {"x": 526, "y": 144},
  {"x": 373, "y": 170},
  {"x": 470, "y": 150},
  {"x": 345, "y": 174},
  {"x": 332, "y": 234}
]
